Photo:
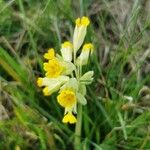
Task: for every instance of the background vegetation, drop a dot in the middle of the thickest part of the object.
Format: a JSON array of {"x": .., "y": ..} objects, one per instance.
[{"x": 117, "y": 115}]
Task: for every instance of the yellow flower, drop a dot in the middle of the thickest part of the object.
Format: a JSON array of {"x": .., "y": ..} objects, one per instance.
[
  {"x": 53, "y": 68},
  {"x": 82, "y": 21},
  {"x": 39, "y": 82},
  {"x": 50, "y": 54},
  {"x": 80, "y": 32},
  {"x": 66, "y": 51},
  {"x": 88, "y": 47},
  {"x": 69, "y": 118},
  {"x": 67, "y": 44},
  {"x": 67, "y": 98},
  {"x": 51, "y": 84},
  {"x": 84, "y": 56},
  {"x": 46, "y": 91}
]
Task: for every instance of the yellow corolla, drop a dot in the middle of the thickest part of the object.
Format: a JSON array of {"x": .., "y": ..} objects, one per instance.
[
  {"x": 50, "y": 54},
  {"x": 69, "y": 118},
  {"x": 53, "y": 68},
  {"x": 40, "y": 82},
  {"x": 67, "y": 98},
  {"x": 80, "y": 32},
  {"x": 84, "y": 21},
  {"x": 51, "y": 84}
]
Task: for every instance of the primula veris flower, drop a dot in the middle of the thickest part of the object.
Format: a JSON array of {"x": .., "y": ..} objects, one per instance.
[
  {"x": 84, "y": 56},
  {"x": 69, "y": 118},
  {"x": 67, "y": 98},
  {"x": 66, "y": 51},
  {"x": 80, "y": 32},
  {"x": 51, "y": 84},
  {"x": 63, "y": 72},
  {"x": 50, "y": 54},
  {"x": 53, "y": 68}
]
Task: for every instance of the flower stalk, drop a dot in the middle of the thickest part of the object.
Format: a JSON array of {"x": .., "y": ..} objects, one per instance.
[{"x": 77, "y": 141}]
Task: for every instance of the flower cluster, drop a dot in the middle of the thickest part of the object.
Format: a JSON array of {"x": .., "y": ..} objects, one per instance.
[{"x": 64, "y": 73}]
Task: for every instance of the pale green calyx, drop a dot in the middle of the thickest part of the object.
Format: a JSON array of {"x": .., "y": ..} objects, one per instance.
[
  {"x": 70, "y": 84},
  {"x": 87, "y": 78},
  {"x": 81, "y": 99}
]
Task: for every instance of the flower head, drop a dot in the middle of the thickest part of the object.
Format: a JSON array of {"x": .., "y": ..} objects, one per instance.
[
  {"x": 66, "y": 51},
  {"x": 69, "y": 118},
  {"x": 84, "y": 56},
  {"x": 51, "y": 84},
  {"x": 53, "y": 68},
  {"x": 84, "y": 21},
  {"x": 80, "y": 32},
  {"x": 67, "y": 98}
]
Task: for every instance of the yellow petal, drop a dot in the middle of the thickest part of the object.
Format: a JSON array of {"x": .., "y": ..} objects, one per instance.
[
  {"x": 46, "y": 91},
  {"x": 78, "y": 21},
  {"x": 85, "y": 21},
  {"x": 53, "y": 68},
  {"x": 39, "y": 82},
  {"x": 50, "y": 54},
  {"x": 67, "y": 98},
  {"x": 67, "y": 44},
  {"x": 88, "y": 47},
  {"x": 69, "y": 118}
]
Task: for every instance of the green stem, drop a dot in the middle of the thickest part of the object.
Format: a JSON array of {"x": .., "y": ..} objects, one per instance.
[
  {"x": 74, "y": 58},
  {"x": 77, "y": 142},
  {"x": 74, "y": 61}
]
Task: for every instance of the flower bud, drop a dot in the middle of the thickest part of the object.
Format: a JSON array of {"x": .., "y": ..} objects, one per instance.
[{"x": 84, "y": 56}]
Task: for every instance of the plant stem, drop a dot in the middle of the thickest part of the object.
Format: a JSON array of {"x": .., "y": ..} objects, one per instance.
[{"x": 77, "y": 141}]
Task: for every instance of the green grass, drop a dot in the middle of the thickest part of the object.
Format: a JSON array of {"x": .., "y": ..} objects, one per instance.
[{"x": 120, "y": 32}]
